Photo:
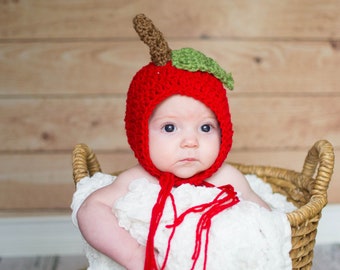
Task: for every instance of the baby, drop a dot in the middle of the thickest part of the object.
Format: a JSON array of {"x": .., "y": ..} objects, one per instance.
[{"x": 178, "y": 125}]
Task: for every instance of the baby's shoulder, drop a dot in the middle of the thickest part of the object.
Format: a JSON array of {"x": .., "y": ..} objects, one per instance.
[
  {"x": 133, "y": 173},
  {"x": 119, "y": 187},
  {"x": 227, "y": 174}
]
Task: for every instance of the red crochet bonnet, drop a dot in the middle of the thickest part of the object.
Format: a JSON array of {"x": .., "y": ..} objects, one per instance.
[{"x": 182, "y": 72}]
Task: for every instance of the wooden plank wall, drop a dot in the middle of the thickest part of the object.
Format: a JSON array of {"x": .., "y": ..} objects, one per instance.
[{"x": 65, "y": 67}]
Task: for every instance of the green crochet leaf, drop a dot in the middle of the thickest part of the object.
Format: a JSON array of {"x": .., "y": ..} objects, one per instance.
[{"x": 192, "y": 60}]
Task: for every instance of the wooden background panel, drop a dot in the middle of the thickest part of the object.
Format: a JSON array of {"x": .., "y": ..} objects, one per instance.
[
  {"x": 70, "y": 67},
  {"x": 107, "y": 67},
  {"x": 40, "y": 124},
  {"x": 65, "y": 67},
  {"x": 43, "y": 181},
  {"x": 195, "y": 18},
  {"x": 54, "y": 168},
  {"x": 57, "y": 124},
  {"x": 284, "y": 122}
]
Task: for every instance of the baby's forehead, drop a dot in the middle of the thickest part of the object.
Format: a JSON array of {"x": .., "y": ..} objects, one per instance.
[
  {"x": 181, "y": 100},
  {"x": 180, "y": 104}
]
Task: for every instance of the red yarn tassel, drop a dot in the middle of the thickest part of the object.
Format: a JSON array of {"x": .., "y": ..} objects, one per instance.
[
  {"x": 166, "y": 183},
  {"x": 225, "y": 199},
  {"x": 172, "y": 233}
]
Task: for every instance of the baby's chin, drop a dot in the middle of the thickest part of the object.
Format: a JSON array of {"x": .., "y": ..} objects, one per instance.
[{"x": 186, "y": 175}]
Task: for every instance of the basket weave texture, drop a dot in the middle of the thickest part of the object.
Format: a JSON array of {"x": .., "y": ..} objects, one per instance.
[{"x": 307, "y": 190}]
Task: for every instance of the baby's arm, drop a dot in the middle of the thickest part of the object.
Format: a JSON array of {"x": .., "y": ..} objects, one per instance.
[
  {"x": 230, "y": 175},
  {"x": 100, "y": 228}
]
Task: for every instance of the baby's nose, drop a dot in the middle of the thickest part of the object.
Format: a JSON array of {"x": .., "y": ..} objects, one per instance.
[{"x": 190, "y": 140}]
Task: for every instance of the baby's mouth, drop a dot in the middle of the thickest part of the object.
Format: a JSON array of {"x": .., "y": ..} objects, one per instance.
[{"x": 189, "y": 159}]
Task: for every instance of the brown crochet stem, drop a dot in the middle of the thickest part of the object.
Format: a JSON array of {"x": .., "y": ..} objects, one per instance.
[{"x": 151, "y": 36}]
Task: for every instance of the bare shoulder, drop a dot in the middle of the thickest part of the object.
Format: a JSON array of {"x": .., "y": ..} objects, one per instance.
[
  {"x": 228, "y": 174},
  {"x": 119, "y": 187},
  {"x": 124, "y": 179},
  {"x": 136, "y": 172}
]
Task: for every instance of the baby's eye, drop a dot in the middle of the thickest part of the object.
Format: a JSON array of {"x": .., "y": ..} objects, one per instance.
[
  {"x": 169, "y": 128},
  {"x": 206, "y": 128}
]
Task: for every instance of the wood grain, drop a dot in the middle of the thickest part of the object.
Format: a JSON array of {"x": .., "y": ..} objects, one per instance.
[
  {"x": 185, "y": 19},
  {"x": 108, "y": 67},
  {"x": 57, "y": 124}
]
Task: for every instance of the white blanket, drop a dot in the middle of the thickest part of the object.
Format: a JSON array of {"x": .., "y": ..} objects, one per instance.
[{"x": 245, "y": 236}]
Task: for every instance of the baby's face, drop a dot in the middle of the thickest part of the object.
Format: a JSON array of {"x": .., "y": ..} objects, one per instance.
[{"x": 184, "y": 136}]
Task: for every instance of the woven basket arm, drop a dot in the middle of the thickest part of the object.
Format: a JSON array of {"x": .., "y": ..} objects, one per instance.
[
  {"x": 319, "y": 160},
  {"x": 84, "y": 162}
]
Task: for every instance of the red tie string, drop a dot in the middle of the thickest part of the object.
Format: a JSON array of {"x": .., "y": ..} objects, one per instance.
[{"x": 225, "y": 199}]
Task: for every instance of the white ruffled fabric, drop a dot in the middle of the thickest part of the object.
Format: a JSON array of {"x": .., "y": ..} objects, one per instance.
[
  {"x": 245, "y": 236},
  {"x": 86, "y": 186}
]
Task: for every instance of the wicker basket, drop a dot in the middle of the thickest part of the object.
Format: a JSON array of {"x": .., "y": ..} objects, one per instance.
[{"x": 307, "y": 190}]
